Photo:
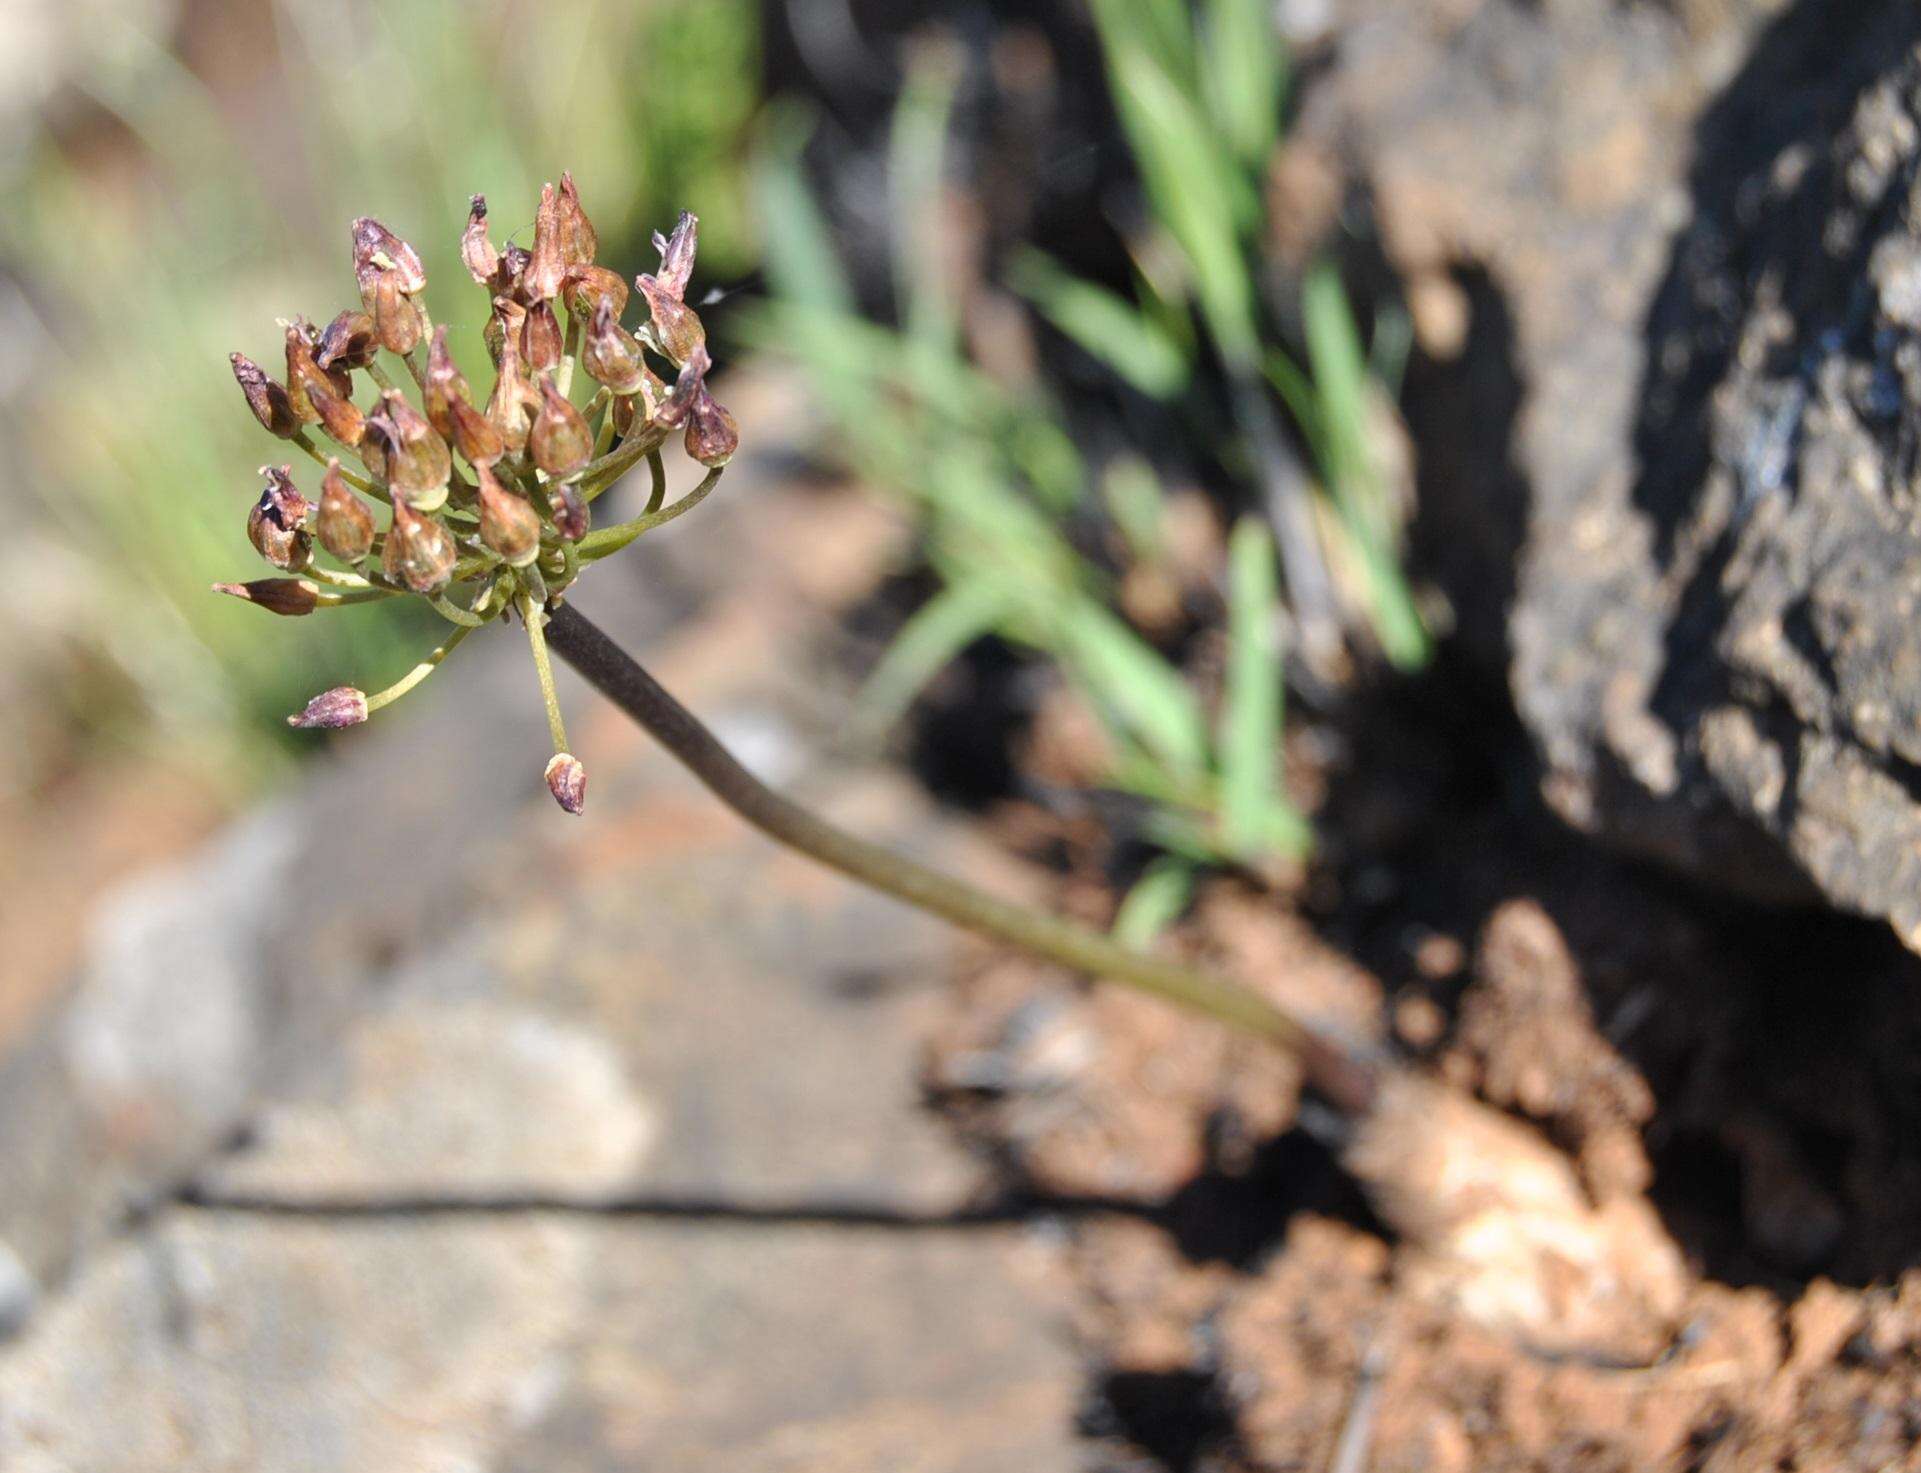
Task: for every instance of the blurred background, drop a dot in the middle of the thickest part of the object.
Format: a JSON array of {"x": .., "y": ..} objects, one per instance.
[{"x": 1280, "y": 479}]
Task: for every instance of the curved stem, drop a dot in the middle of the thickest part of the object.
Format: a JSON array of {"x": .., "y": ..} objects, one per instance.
[
  {"x": 1347, "y": 1081},
  {"x": 606, "y": 541}
]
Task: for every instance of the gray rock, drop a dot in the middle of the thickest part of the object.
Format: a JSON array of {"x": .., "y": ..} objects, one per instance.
[{"x": 1688, "y": 238}]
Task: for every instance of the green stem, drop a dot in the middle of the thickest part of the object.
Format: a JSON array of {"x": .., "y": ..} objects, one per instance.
[
  {"x": 419, "y": 673},
  {"x": 609, "y": 540},
  {"x": 658, "y": 496},
  {"x": 533, "y": 618},
  {"x": 1346, "y": 1080},
  {"x": 359, "y": 483}
]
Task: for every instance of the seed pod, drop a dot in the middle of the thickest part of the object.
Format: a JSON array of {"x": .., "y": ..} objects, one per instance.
[
  {"x": 548, "y": 265},
  {"x": 345, "y": 525},
  {"x": 378, "y": 249},
  {"x": 347, "y": 342},
  {"x": 418, "y": 462},
  {"x": 677, "y": 255},
  {"x": 586, "y": 286},
  {"x": 267, "y": 399},
  {"x": 332, "y": 709},
  {"x": 419, "y": 552},
  {"x": 514, "y": 261},
  {"x": 578, "y": 240},
  {"x": 509, "y": 526},
  {"x": 540, "y": 339},
  {"x": 560, "y": 441},
  {"x": 712, "y": 437},
  {"x": 277, "y": 525},
  {"x": 569, "y": 508},
  {"x": 678, "y": 404},
  {"x": 677, "y": 330},
  {"x": 477, "y": 252},
  {"x": 611, "y": 354},
  {"x": 504, "y": 326},
  {"x": 444, "y": 385},
  {"x": 567, "y": 781},
  {"x": 288, "y": 597},
  {"x": 474, "y": 435},
  {"x": 396, "y": 319}
]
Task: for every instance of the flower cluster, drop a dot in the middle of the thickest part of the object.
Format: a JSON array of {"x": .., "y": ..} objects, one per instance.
[{"x": 489, "y": 503}]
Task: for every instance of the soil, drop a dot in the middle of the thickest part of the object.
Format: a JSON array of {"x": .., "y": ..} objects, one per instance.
[{"x": 1749, "y": 1073}]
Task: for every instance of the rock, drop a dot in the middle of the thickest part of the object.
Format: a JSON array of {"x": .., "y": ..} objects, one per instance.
[{"x": 1689, "y": 241}]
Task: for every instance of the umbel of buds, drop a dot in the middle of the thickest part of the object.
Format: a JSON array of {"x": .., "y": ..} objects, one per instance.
[{"x": 486, "y": 498}]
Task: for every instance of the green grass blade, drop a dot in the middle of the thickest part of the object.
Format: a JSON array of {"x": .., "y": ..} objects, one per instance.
[
  {"x": 1243, "y": 75},
  {"x": 802, "y": 265},
  {"x": 1156, "y": 900},
  {"x": 1139, "y": 689},
  {"x": 1106, "y": 326},
  {"x": 938, "y": 631}
]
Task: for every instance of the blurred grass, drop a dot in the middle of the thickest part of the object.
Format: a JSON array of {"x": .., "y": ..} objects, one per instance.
[{"x": 190, "y": 200}]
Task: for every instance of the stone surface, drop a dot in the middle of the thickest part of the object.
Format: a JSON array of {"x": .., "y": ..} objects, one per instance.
[{"x": 1675, "y": 441}]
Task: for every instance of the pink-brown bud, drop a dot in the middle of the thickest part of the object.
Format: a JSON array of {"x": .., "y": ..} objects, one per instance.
[
  {"x": 419, "y": 552},
  {"x": 347, "y": 342},
  {"x": 477, "y": 252},
  {"x": 509, "y": 526},
  {"x": 378, "y": 249},
  {"x": 677, "y": 255},
  {"x": 267, "y": 399},
  {"x": 569, "y": 508},
  {"x": 567, "y": 781},
  {"x": 677, "y": 329},
  {"x": 503, "y": 328},
  {"x": 444, "y": 385},
  {"x": 396, "y": 319},
  {"x": 345, "y": 525},
  {"x": 417, "y": 460},
  {"x": 560, "y": 440},
  {"x": 586, "y": 286},
  {"x": 288, "y": 597},
  {"x": 339, "y": 415},
  {"x": 712, "y": 436},
  {"x": 578, "y": 240},
  {"x": 611, "y": 355},
  {"x": 678, "y": 404},
  {"x": 511, "y": 405},
  {"x": 474, "y": 435},
  {"x": 277, "y": 525},
  {"x": 540, "y": 340},
  {"x": 548, "y": 265},
  {"x": 302, "y": 371},
  {"x": 331, "y": 710}
]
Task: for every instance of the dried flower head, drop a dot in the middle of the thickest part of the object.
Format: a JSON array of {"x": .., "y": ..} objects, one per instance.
[{"x": 506, "y": 535}]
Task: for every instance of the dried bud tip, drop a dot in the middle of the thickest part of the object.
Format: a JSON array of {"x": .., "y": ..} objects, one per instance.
[
  {"x": 477, "y": 252},
  {"x": 332, "y": 709},
  {"x": 677, "y": 254},
  {"x": 288, "y": 597},
  {"x": 567, "y": 781},
  {"x": 267, "y": 399},
  {"x": 377, "y": 249}
]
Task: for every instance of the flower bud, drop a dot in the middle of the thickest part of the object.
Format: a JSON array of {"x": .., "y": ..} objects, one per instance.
[
  {"x": 302, "y": 370},
  {"x": 289, "y": 597},
  {"x": 345, "y": 525},
  {"x": 548, "y": 265},
  {"x": 611, "y": 354},
  {"x": 277, "y": 525},
  {"x": 586, "y": 286},
  {"x": 540, "y": 339},
  {"x": 677, "y": 255},
  {"x": 560, "y": 440},
  {"x": 267, "y": 399},
  {"x": 444, "y": 384},
  {"x": 503, "y": 327},
  {"x": 712, "y": 436},
  {"x": 339, "y": 415},
  {"x": 678, "y": 404},
  {"x": 513, "y": 401},
  {"x": 347, "y": 342},
  {"x": 474, "y": 435},
  {"x": 509, "y": 526},
  {"x": 567, "y": 781},
  {"x": 396, "y": 319},
  {"x": 378, "y": 249},
  {"x": 418, "y": 462},
  {"x": 477, "y": 252},
  {"x": 677, "y": 330},
  {"x": 332, "y": 709},
  {"x": 578, "y": 240},
  {"x": 569, "y": 508},
  {"x": 419, "y": 552}
]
